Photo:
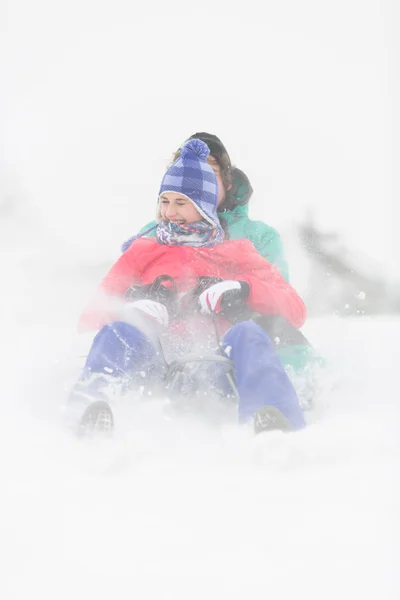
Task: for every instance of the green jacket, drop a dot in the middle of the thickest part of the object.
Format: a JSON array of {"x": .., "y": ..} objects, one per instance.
[{"x": 266, "y": 239}]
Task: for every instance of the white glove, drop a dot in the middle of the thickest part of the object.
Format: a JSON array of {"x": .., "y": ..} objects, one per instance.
[
  {"x": 210, "y": 299},
  {"x": 155, "y": 310}
]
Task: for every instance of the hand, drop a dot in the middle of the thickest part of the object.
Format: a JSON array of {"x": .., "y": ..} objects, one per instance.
[
  {"x": 155, "y": 310},
  {"x": 222, "y": 295},
  {"x": 163, "y": 289}
]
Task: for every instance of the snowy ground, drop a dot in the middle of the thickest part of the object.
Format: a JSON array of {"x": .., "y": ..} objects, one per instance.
[
  {"x": 179, "y": 509},
  {"x": 303, "y": 95}
]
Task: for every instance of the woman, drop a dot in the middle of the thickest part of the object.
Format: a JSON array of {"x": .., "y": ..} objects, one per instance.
[
  {"x": 189, "y": 250},
  {"x": 234, "y": 193}
]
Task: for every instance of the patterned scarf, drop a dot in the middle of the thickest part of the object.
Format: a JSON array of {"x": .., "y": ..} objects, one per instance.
[{"x": 199, "y": 234}]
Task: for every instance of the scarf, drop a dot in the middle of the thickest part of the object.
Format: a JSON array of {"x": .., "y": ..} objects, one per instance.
[{"x": 199, "y": 234}]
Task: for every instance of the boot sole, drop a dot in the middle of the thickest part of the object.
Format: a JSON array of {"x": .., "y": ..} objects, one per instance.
[
  {"x": 97, "y": 417},
  {"x": 269, "y": 418}
]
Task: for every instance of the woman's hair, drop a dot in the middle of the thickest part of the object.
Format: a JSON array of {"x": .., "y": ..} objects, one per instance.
[
  {"x": 232, "y": 178},
  {"x": 240, "y": 192}
]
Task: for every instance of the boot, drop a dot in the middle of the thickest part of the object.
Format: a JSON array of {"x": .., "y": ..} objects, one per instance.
[{"x": 269, "y": 418}]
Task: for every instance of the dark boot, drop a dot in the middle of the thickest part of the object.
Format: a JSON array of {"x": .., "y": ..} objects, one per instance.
[{"x": 269, "y": 418}]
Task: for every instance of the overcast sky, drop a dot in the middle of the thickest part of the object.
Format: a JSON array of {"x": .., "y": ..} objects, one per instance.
[{"x": 97, "y": 95}]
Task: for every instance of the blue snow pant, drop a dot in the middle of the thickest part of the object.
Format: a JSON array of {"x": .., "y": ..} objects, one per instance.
[{"x": 124, "y": 352}]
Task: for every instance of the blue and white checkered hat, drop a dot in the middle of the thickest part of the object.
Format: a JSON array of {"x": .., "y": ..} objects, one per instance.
[{"x": 192, "y": 176}]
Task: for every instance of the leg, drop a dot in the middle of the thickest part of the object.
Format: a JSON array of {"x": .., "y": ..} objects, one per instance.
[
  {"x": 122, "y": 351},
  {"x": 120, "y": 354},
  {"x": 301, "y": 361},
  {"x": 281, "y": 332},
  {"x": 260, "y": 376}
]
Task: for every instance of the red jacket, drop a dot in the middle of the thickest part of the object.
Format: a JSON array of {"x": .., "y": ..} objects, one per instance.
[{"x": 146, "y": 259}]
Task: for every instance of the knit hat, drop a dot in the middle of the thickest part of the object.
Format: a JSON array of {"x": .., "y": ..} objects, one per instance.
[
  {"x": 193, "y": 177},
  {"x": 219, "y": 152}
]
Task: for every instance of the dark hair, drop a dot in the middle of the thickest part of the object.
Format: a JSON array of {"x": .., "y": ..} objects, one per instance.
[
  {"x": 237, "y": 186},
  {"x": 240, "y": 192}
]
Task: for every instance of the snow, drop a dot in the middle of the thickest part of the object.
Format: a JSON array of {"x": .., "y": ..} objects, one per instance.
[
  {"x": 302, "y": 95},
  {"x": 178, "y": 508}
]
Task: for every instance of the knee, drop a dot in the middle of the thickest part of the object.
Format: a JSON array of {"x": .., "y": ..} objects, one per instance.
[
  {"x": 123, "y": 346},
  {"x": 119, "y": 331},
  {"x": 246, "y": 332},
  {"x": 120, "y": 328}
]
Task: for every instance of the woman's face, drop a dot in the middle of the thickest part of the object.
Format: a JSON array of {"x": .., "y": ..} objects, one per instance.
[
  {"x": 217, "y": 170},
  {"x": 177, "y": 208}
]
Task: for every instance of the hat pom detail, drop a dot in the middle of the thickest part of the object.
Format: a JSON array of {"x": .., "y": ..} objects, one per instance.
[{"x": 197, "y": 147}]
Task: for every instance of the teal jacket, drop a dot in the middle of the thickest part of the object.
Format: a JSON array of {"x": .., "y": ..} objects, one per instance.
[{"x": 266, "y": 239}]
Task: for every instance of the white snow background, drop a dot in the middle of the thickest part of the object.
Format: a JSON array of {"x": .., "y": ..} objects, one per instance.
[{"x": 95, "y": 98}]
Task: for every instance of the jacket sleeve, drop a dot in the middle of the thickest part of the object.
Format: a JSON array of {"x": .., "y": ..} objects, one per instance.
[
  {"x": 128, "y": 243},
  {"x": 268, "y": 243},
  {"x": 270, "y": 293},
  {"x": 150, "y": 224},
  {"x": 103, "y": 307}
]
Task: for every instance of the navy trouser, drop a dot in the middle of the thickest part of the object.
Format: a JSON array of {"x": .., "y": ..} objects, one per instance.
[{"x": 121, "y": 350}]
